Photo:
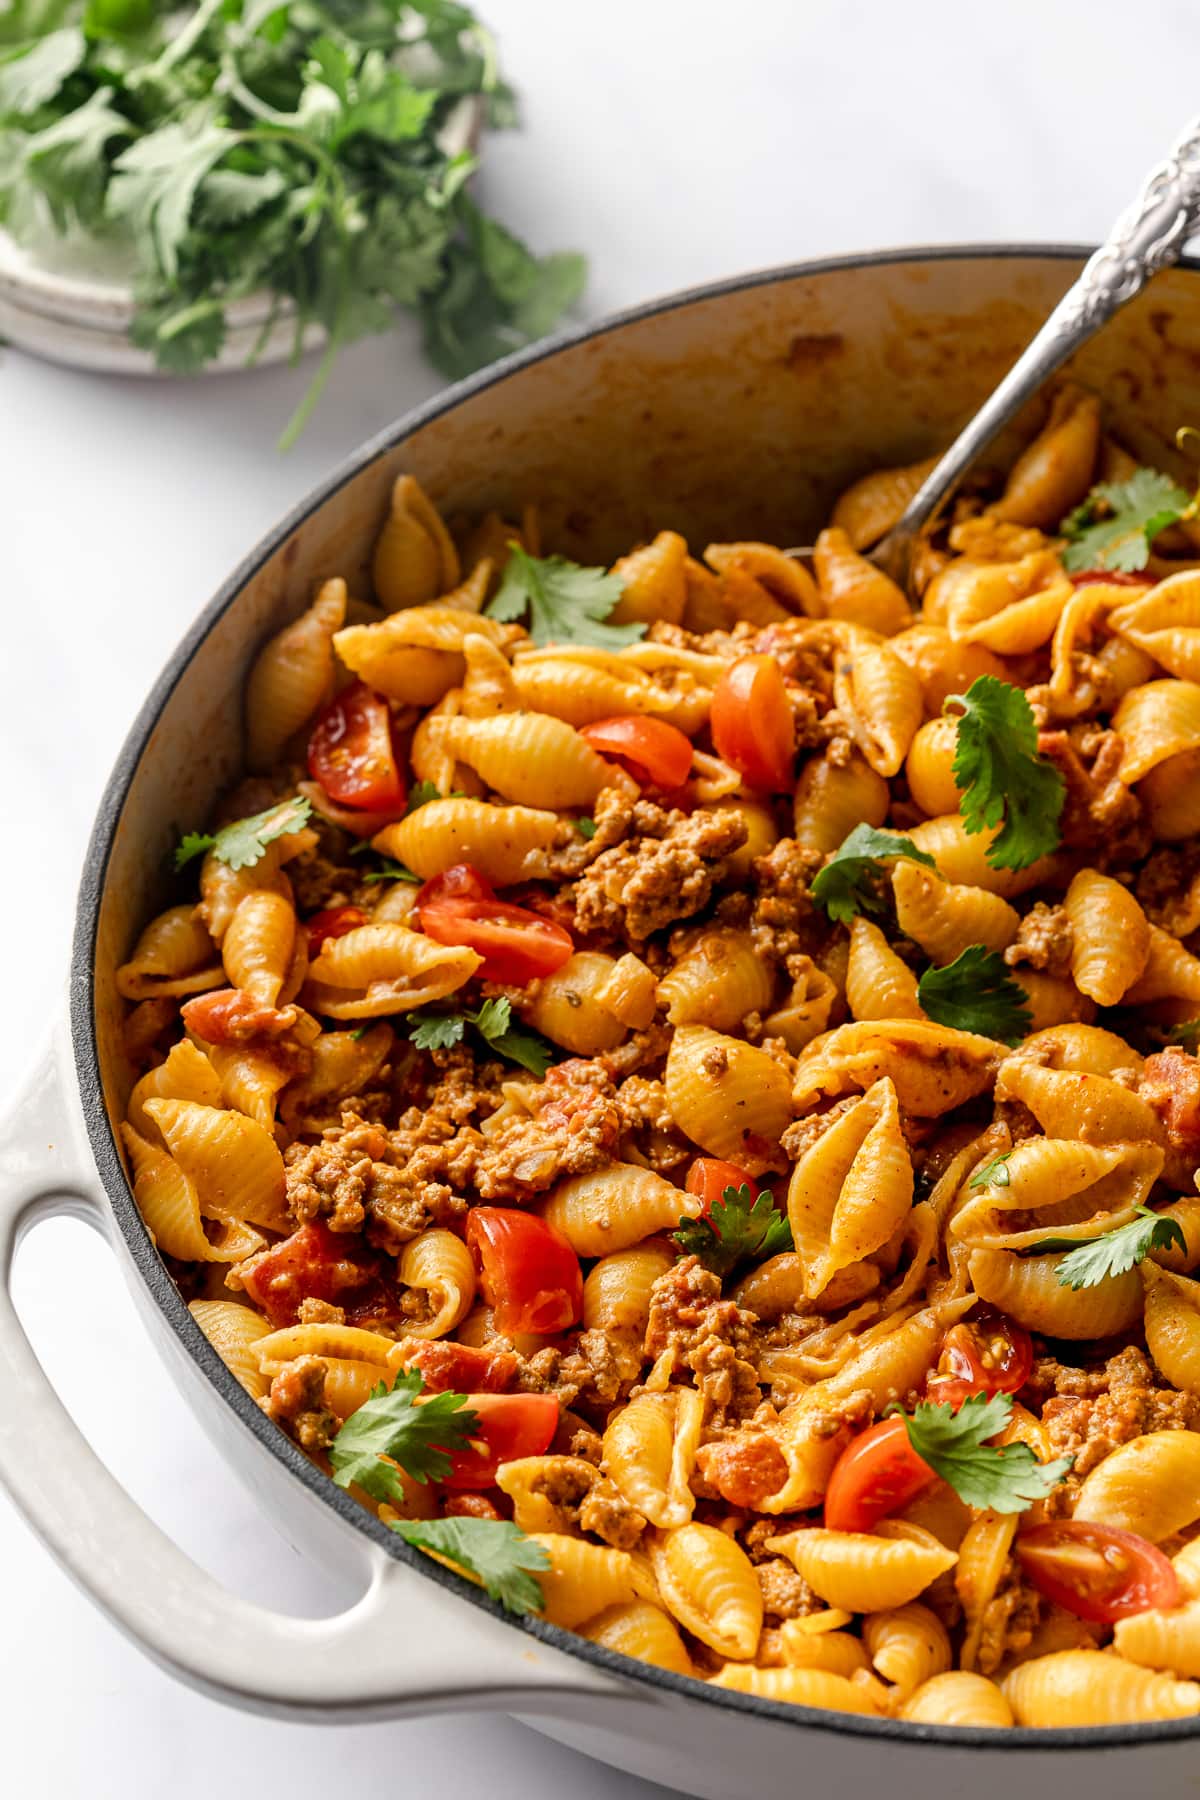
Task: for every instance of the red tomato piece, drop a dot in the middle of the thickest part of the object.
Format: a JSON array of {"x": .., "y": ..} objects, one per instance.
[
  {"x": 744, "y": 1470},
  {"x": 656, "y": 754},
  {"x": 510, "y": 1426},
  {"x": 1095, "y": 1571},
  {"x": 752, "y": 725},
  {"x": 318, "y": 1264},
  {"x": 334, "y": 922},
  {"x": 1112, "y": 578},
  {"x": 460, "y": 1368},
  {"x": 227, "y": 1016},
  {"x": 875, "y": 1475},
  {"x": 516, "y": 944},
  {"x": 987, "y": 1354},
  {"x": 708, "y": 1178},
  {"x": 529, "y": 1274},
  {"x": 351, "y": 752}
]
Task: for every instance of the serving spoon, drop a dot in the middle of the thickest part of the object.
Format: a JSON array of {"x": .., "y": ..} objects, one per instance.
[{"x": 1149, "y": 236}]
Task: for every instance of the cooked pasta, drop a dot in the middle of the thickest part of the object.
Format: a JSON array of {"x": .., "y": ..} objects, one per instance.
[{"x": 668, "y": 1048}]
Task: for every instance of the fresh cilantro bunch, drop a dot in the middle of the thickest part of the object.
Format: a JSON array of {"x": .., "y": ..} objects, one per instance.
[
  {"x": 301, "y": 148},
  {"x": 953, "y": 1441},
  {"x": 1004, "y": 781},
  {"x": 852, "y": 880},
  {"x": 1113, "y": 1252},
  {"x": 740, "y": 1228},
  {"x": 1116, "y": 524},
  {"x": 244, "y": 843},
  {"x": 976, "y": 992}
]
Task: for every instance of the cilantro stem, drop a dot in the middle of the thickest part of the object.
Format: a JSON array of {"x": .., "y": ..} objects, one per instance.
[
  {"x": 191, "y": 34},
  {"x": 299, "y": 419}
]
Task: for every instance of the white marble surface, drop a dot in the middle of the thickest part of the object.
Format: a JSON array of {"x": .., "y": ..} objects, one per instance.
[{"x": 674, "y": 141}]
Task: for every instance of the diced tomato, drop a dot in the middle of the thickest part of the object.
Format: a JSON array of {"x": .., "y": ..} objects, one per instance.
[
  {"x": 334, "y": 922},
  {"x": 708, "y": 1178},
  {"x": 752, "y": 725},
  {"x": 460, "y": 1368},
  {"x": 318, "y": 1264},
  {"x": 517, "y": 945},
  {"x": 1095, "y": 1571},
  {"x": 529, "y": 1274},
  {"x": 510, "y": 1426},
  {"x": 744, "y": 1470},
  {"x": 987, "y": 1354},
  {"x": 875, "y": 1475},
  {"x": 227, "y": 1016},
  {"x": 1112, "y": 578},
  {"x": 656, "y": 754},
  {"x": 1171, "y": 1085},
  {"x": 351, "y": 752}
]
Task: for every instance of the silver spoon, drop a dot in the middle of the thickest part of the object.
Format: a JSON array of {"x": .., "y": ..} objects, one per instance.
[{"x": 1148, "y": 236}]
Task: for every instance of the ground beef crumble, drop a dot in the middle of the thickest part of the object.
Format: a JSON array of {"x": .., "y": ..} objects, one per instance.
[
  {"x": 712, "y": 1337},
  {"x": 297, "y": 1400},
  {"x": 1010, "y": 1619},
  {"x": 1089, "y": 1412},
  {"x": 664, "y": 869},
  {"x": 572, "y": 1128},
  {"x": 1044, "y": 941}
]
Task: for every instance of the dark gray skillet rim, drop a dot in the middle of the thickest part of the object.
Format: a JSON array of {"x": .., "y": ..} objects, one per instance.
[{"x": 108, "y": 1163}]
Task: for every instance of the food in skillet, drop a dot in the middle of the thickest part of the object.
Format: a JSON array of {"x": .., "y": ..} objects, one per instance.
[{"x": 678, "y": 1088}]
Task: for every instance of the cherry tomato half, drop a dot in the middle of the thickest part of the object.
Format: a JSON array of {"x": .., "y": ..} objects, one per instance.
[
  {"x": 708, "y": 1178},
  {"x": 752, "y": 725},
  {"x": 875, "y": 1475},
  {"x": 510, "y": 1426},
  {"x": 351, "y": 753},
  {"x": 229, "y": 1016},
  {"x": 333, "y": 922},
  {"x": 1096, "y": 1571},
  {"x": 988, "y": 1354},
  {"x": 461, "y": 1368},
  {"x": 529, "y": 1274},
  {"x": 658, "y": 754},
  {"x": 517, "y": 945}
]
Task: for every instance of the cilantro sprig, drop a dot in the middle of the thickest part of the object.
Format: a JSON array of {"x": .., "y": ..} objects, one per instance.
[
  {"x": 565, "y": 602},
  {"x": 493, "y": 1022},
  {"x": 493, "y": 1550},
  {"x": 994, "y": 1173},
  {"x": 953, "y": 1441},
  {"x": 244, "y": 843},
  {"x": 1116, "y": 524},
  {"x": 1003, "y": 779},
  {"x": 976, "y": 992},
  {"x": 308, "y": 152},
  {"x": 391, "y": 870},
  {"x": 1113, "y": 1252},
  {"x": 852, "y": 880},
  {"x": 390, "y": 1424},
  {"x": 739, "y": 1228}
]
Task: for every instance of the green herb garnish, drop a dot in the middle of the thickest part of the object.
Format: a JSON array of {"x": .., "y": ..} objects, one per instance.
[
  {"x": 1115, "y": 1252},
  {"x": 565, "y": 603},
  {"x": 1003, "y": 779},
  {"x": 740, "y": 1228},
  {"x": 852, "y": 880},
  {"x": 953, "y": 1441},
  {"x": 976, "y": 992},
  {"x": 243, "y": 843},
  {"x": 493, "y": 1022},
  {"x": 1116, "y": 524},
  {"x": 493, "y": 1550}
]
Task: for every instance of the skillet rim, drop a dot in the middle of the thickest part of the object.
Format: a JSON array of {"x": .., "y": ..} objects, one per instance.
[{"x": 137, "y": 1239}]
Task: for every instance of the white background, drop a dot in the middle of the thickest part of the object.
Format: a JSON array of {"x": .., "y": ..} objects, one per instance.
[{"x": 674, "y": 141}]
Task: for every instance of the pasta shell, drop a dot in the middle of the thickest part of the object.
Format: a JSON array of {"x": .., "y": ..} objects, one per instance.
[
  {"x": 1028, "y": 1289},
  {"x": 832, "y": 798},
  {"x": 643, "y": 1631},
  {"x": 1172, "y": 1326},
  {"x": 414, "y": 556},
  {"x": 908, "y": 1646},
  {"x": 376, "y": 969},
  {"x": 1170, "y": 797},
  {"x": 616, "y": 1208},
  {"x": 851, "y": 1190},
  {"x": 531, "y": 758},
  {"x": 234, "y": 1331},
  {"x": 1110, "y": 936},
  {"x": 568, "y": 1009},
  {"x": 961, "y": 857},
  {"x": 944, "y": 918},
  {"x": 717, "y": 981},
  {"x": 496, "y": 840},
  {"x": 1170, "y": 972},
  {"x": 1057, "y": 469},
  {"x": 1150, "y": 1485},
  {"x": 1090, "y": 1687},
  {"x": 729, "y": 1097},
  {"x": 258, "y": 946},
  {"x": 943, "y": 665},
  {"x": 438, "y": 1264},
  {"x": 958, "y": 1698},
  {"x": 835, "y": 1651},
  {"x": 708, "y": 1584},
  {"x": 418, "y": 655},
  {"x": 173, "y": 956},
  {"x": 170, "y": 1205},
  {"x": 861, "y": 1572},
  {"x": 802, "y": 1687},
  {"x": 878, "y": 984},
  {"x": 583, "y": 686},
  {"x": 1165, "y": 623},
  {"x": 881, "y": 701},
  {"x": 650, "y": 1451},
  {"x": 655, "y": 581},
  {"x": 1077, "y": 1190},
  {"x": 1162, "y": 1640},
  {"x": 1157, "y": 720},
  {"x": 876, "y": 502},
  {"x": 185, "y": 1074},
  {"x": 934, "y": 1069},
  {"x": 616, "y": 1292},
  {"x": 852, "y": 588},
  {"x": 1075, "y": 1104},
  {"x": 233, "y": 1162},
  {"x": 292, "y": 677},
  {"x": 783, "y": 577},
  {"x": 983, "y": 1556},
  {"x": 583, "y": 1579}
]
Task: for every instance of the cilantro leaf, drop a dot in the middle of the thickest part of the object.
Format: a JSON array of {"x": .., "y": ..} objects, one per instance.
[
  {"x": 493, "y": 1022},
  {"x": 155, "y": 182},
  {"x": 65, "y": 163},
  {"x": 420, "y": 794},
  {"x": 1114, "y": 1252},
  {"x": 391, "y": 1424},
  {"x": 739, "y": 1227},
  {"x": 952, "y": 1440},
  {"x": 977, "y": 992},
  {"x": 241, "y": 844},
  {"x": 1186, "y": 1034},
  {"x": 34, "y": 73},
  {"x": 586, "y": 828},
  {"x": 391, "y": 870},
  {"x": 493, "y": 1550},
  {"x": 992, "y": 1174},
  {"x": 1116, "y": 524},
  {"x": 1002, "y": 777},
  {"x": 851, "y": 881},
  {"x": 566, "y": 604}
]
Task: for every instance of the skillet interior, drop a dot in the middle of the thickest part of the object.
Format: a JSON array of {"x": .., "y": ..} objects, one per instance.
[{"x": 733, "y": 412}]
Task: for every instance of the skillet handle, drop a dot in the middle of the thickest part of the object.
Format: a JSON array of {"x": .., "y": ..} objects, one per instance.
[{"x": 408, "y": 1646}]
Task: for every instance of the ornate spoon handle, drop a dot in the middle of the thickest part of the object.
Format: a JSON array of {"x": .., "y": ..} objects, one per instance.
[{"x": 1147, "y": 237}]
